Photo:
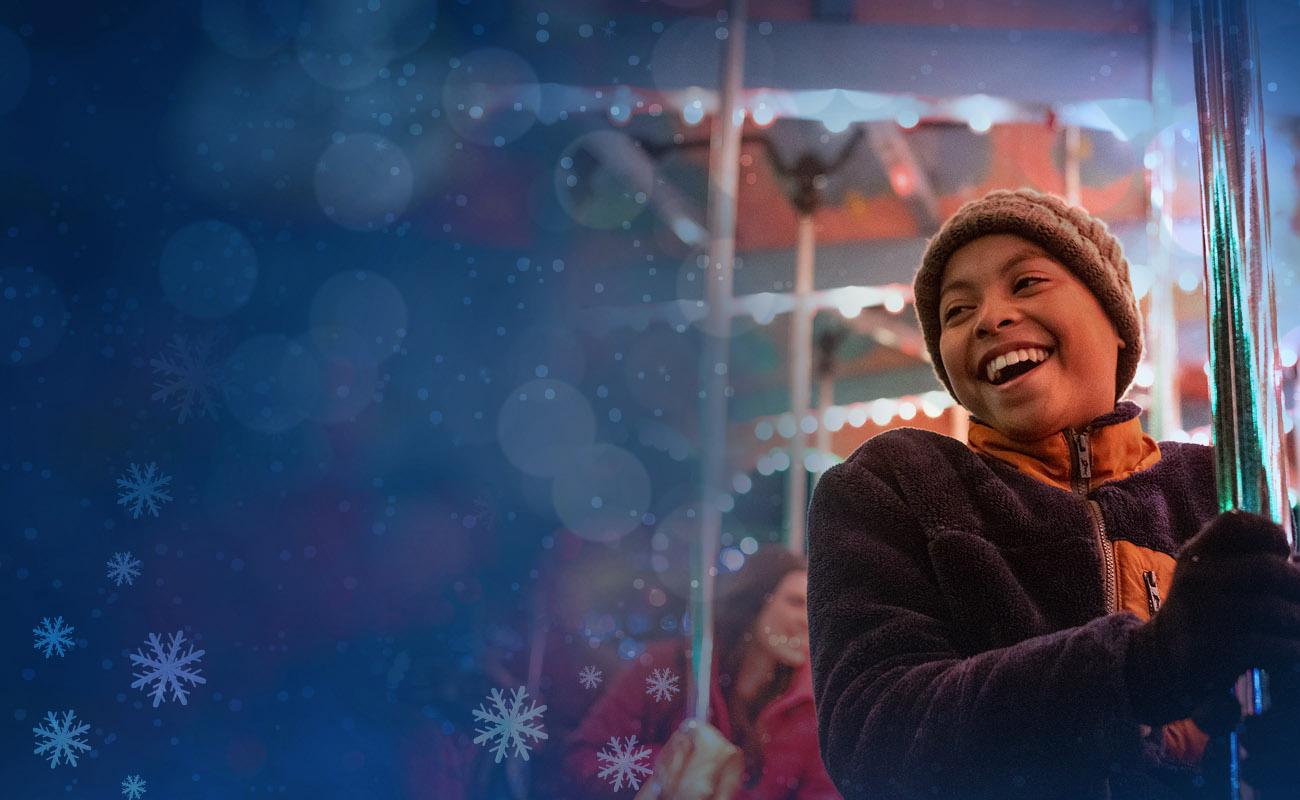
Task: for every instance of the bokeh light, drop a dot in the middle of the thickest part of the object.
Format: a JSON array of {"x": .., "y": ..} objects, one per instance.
[
  {"x": 208, "y": 269},
  {"x": 603, "y": 493},
  {"x": 364, "y": 182},
  {"x": 603, "y": 180},
  {"x": 543, "y": 424},
  {"x": 491, "y": 96}
]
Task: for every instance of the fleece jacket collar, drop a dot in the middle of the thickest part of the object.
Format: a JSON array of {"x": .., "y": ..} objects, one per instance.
[{"x": 1118, "y": 445}]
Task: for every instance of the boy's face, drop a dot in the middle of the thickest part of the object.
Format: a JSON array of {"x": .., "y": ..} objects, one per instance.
[{"x": 1003, "y": 295}]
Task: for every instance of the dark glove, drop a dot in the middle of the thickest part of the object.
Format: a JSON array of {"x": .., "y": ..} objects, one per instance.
[{"x": 1234, "y": 605}]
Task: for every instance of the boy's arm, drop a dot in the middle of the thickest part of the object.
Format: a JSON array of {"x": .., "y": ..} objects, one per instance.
[{"x": 902, "y": 714}]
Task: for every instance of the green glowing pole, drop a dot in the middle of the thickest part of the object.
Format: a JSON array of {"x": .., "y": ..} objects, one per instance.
[
  {"x": 724, "y": 182},
  {"x": 1245, "y": 384}
]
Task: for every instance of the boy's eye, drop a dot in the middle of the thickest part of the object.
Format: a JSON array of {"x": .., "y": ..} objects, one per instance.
[
  {"x": 953, "y": 311},
  {"x": 1027, "y": 281}
]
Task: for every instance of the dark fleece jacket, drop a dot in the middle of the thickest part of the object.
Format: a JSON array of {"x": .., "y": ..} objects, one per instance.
[{"x": 961, "y": 646}]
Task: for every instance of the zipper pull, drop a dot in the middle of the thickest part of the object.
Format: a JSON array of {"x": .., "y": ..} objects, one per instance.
[
  {"x": 1153, "y": 592},
  {"x": 1085, "y": 456}
]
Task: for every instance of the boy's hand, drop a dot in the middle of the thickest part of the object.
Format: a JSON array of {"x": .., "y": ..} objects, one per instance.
[{"x": 1234, "y": 605}]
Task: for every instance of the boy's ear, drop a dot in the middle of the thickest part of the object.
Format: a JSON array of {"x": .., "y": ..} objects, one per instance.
[{"x": 1122, "y": 344}]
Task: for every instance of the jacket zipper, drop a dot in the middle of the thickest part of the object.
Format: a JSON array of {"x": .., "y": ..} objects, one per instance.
[
  {"x": 1081, "y": 481},
  {"x": 1153, "y": 592}
]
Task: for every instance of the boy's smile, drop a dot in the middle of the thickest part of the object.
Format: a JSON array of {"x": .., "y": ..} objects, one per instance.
[{"x": 1026, "y": 346}]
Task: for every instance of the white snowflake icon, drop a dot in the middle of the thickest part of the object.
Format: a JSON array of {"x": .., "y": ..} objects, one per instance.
[
  {"x": 166, "y": 667},
  {"x": 52, "y": 637},
  {"x": 133, "y": 787},
  {"x": 62, "y": 738},
  {"x": 509, "y": 723},
  {"x": 143, "y": 490},
  {"x": 189, "y": 376},
  {"x": 623, "y": 763},
  {"x": 589, "y": 677},
  {"x": 123, "y": 567},
  {"x": 661, "y": 685}
]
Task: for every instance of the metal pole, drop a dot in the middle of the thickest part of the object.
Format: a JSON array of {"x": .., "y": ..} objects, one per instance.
[
  {"x": 1073, "y": 157},
  {"x": 825, "y": 399},
  {"x": 1162, "y": 334},
  {"x": 724, "y": 182},
  {"x": 801, "y": 347},
  {"x": 1245, "y": 396}
]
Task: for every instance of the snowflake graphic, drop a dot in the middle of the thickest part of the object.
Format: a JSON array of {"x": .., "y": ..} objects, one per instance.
[
  {"x": 189, "y": 377},
  {"x": 167, "y": 667},
  {"x": 52, "y": 637},
  {"x": 144, "y": 490},
  {"x": 661, "y": 685},
  {"x": 624, "y": 763},
  {"x": 589, "y": 677},
  {"x": 62, "y": 738},
  {"x": 133, "y": 787},
  {"x": 123, "y": 567},
  {"x": 509, "y": 723}
]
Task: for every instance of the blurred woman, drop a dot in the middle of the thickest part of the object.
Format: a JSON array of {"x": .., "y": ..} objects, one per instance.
[{"x": 760, "y": 701}]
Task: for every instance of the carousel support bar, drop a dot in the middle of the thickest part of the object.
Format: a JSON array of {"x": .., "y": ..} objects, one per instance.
[
  {"x": 1245, "y": 388},
  {"x": 1073, "y": 160},
  {"x": 1162, "y": 334},
  {"x": 801, "y": 347},
  {"x": 825, "y": 399},
  {"x": 724, "y": 183}
]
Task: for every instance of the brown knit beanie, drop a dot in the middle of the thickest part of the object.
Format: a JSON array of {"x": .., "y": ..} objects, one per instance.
[{"x": 1077, "y": 240}]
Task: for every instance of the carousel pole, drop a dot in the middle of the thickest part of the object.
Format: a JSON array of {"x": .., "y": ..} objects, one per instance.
[
  {"x": 724, "y": 182},
  {"x": 801, "y": 347},
  {"x": 1245, "y": 385},
  {"x": 1162, "y": 335},
  {"x": 826, "y": 345},
  {"x": 1073, "y": 160}
]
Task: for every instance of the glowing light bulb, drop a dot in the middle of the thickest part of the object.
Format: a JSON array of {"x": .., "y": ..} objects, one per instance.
[{"x": 693, "y": 112}]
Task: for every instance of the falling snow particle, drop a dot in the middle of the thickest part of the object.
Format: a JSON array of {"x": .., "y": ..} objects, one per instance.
[
  {"x": 167, "y": 667},
  {"x": 661, "y": 685},
  {"x": 123, "y": 567},
  {"x": 52, "y": 637},
  {"x": 589, "y": 677},
  {"x": 62, "y": 739},
  {"x": 623, "y": 763},
  {"x": 189, "y": 379},
  {"x": 143, "y": 490},
  {"x": 509, "y": 723},
  {"x": 133, "y": 787}
]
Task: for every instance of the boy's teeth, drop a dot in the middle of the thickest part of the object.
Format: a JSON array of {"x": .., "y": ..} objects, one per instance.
[{"x": 1035, "y": 354}]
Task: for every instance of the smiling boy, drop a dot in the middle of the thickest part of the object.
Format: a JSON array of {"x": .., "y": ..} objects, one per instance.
[{"x": 983, "y": 615}]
